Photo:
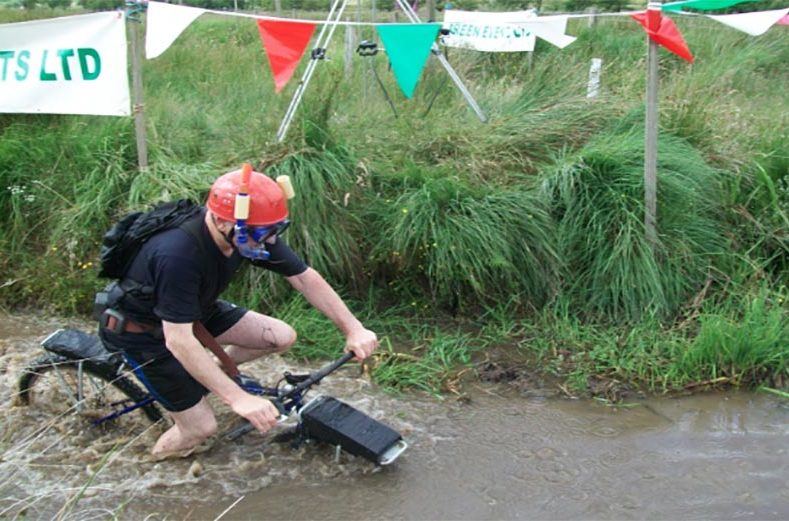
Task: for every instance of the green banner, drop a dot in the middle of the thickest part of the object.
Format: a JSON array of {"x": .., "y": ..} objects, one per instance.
[
  {"x": 703, "y": 5},
  {"x": 408, "y": 46}
]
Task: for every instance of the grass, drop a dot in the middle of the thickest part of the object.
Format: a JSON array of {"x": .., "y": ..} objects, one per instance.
[
  {"x": 597, "y": 199},
  {"x": 749, "y": 343},
  {"x": 738, "y": 343},
  {"x": 467, "y": 243},
  {"x": 448, "y": 235}
]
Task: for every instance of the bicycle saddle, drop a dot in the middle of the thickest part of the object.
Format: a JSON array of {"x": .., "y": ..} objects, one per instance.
[{"x": 78, "y": 345}]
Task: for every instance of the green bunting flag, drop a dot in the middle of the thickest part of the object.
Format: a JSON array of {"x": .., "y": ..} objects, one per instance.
[
  {"x": 408, "y": 46},
  {"x": 703, "y": 5}
]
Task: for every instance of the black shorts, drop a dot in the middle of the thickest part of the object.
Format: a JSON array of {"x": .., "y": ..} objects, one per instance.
[{"x": 156, "y": 367}]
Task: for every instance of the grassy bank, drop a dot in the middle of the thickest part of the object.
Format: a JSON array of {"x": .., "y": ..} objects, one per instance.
[{"x": 451, "y": 237}]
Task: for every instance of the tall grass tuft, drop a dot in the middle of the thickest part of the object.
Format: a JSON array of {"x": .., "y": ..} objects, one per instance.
[
  {"x": 597, "y": 198},
  {"x": 322, "y": 225},
  {"x": 466, "y": 244},
  {"x": 169, "y": 179}
]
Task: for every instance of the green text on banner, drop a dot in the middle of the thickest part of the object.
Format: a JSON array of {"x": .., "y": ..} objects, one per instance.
[{"x": 69, "y": 65}]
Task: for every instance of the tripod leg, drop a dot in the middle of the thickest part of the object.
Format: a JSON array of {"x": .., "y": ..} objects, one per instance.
[
  {"x": 321, "y": 42},
  {"x": 435, "y": 96},
  {"x": 386, "y": 93},
  {"x": 411, "y": 14}
]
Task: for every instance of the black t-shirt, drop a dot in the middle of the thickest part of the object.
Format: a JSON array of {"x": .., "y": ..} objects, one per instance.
[{"x": 186, "y": 276}]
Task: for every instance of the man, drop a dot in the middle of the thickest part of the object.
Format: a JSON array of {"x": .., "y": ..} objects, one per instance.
[{"x": 184, "y": 270}]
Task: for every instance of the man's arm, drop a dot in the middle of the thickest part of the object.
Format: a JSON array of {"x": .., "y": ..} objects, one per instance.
[
  {"x": 180, "y": 340},
  {"x": 320, "y": 294}
]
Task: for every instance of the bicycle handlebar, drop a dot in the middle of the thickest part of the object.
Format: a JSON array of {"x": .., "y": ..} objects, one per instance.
[
  {"x": 318, "y": 375},
  {"x": 314, "y": 378}
]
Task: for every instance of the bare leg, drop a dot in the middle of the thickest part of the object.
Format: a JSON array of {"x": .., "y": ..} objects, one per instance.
[
  {"x": 192, "y": 426},
  {"x": 256, "y": 335}
]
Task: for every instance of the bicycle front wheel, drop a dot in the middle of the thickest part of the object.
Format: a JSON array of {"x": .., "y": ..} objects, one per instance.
[{"x": 59, "y": 386}]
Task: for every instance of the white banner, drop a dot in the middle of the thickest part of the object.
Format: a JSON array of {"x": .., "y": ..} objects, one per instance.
[
  {"x": 71, "y": 65},
  {"x": 514, "y": 31},
  {"x": 488, "y": 32}
]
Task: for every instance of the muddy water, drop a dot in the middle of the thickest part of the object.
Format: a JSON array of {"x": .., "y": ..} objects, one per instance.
[{"x": 501, "y": 456}]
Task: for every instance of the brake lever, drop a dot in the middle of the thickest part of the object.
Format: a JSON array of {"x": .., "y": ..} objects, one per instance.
[{"x": 295, "y": 379}]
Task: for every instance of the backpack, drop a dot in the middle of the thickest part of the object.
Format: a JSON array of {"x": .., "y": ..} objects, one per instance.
[{"x": 123, "y": 241}]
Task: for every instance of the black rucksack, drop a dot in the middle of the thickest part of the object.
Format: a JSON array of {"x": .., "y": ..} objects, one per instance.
[{"x": 122, "y": 242}]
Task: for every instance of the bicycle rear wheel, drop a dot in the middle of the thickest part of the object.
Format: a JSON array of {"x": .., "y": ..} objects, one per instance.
[{"x": 59, "y": 386}]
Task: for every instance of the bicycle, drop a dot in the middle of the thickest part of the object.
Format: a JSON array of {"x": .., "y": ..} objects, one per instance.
[{"x": 79, "y": 375}]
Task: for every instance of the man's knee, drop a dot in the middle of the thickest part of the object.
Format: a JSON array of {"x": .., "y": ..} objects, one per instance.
[{"x": 286, "y": 339}]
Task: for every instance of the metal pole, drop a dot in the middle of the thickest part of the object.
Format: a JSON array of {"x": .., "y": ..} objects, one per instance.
[
  {"x": 138, "y": 108},
  {"x": 651, "y": 130},
  {"x": 414, "y": 18},
  {"x": 350, "y": 44},
  {"x": 322, "y": 42}
]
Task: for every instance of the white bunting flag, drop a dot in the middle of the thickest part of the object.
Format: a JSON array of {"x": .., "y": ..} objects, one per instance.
[
  {"x": 165, "y": 22},
  {"x": 552, "y": 30},
  {"x": 69, "y": 65},
  {"x": 755, "y": 24},
  {"x": 503, "y": 32}
]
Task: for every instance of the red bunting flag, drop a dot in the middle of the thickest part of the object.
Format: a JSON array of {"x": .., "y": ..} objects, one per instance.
[
  {"x": 284, "y": 43},
  {"x": 663, "y": 32},
  {"x": 784, "y": 20}
]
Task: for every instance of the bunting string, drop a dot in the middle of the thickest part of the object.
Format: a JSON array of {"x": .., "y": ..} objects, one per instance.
[
  {"x": 408, "y": 44},
  {"x": 373, "y": 24}
]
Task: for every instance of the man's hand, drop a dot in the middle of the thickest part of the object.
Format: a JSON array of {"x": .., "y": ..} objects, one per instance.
[
  {"x": 260, "y": 412},
  {"x": 362, "y": 342}
]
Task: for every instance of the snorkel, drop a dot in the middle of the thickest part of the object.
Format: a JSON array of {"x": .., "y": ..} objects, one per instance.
[{"x": 256, "y": 248}]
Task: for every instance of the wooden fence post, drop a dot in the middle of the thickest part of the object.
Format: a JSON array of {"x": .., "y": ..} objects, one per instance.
[{"x": 138, "y": 108}]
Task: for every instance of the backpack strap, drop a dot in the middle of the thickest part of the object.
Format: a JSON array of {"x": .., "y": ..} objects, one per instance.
[
  {"x": 207, "y": 339},
  {"x": 194, "y": 227}
]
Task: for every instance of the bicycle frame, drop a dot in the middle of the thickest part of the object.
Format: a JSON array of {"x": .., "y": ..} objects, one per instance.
[
  {"x": 321, "y": 418},
  {"x": 285, "y": 400}
]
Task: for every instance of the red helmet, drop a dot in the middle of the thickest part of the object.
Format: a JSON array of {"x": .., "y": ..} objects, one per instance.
[{"x": 268, "y": 204}]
